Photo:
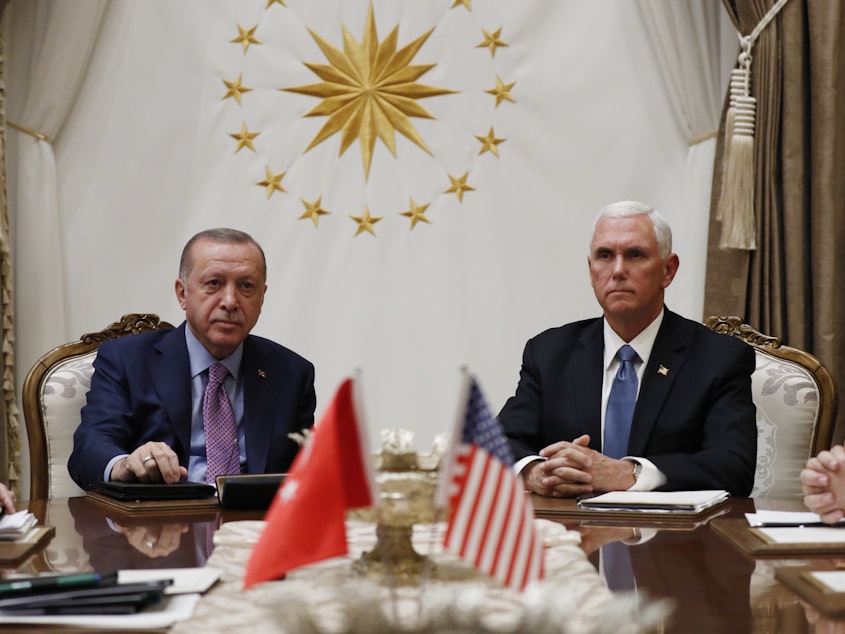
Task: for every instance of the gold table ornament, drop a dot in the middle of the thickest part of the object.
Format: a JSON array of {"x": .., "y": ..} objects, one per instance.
[{"x": 407, "y": 483}]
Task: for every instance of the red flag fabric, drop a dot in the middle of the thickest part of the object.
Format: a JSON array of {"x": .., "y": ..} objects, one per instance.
[
  {"x": 306, "y": 521},
  {"x": 492, "y": 521}
]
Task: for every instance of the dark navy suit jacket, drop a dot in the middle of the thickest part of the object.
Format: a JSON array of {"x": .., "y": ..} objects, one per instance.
[
  {"x": 141, "y": 392},
  {"x": 695, "y": 419}
]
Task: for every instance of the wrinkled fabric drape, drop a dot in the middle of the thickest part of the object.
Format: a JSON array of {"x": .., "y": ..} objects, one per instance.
[
  {"x": 60, "y": 36},
  {"x": 9, "y": 420},
  {"x": 685, "y": 38},
  {"x": 790, "y": 286}
]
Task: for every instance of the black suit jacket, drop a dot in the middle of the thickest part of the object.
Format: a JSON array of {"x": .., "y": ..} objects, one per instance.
[
  {"x": 141, "y": 392},
  {"x": 695, "y": 421}
]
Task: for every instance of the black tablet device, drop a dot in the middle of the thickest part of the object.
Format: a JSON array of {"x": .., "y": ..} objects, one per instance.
[
  {"x": 138, "y": 491},
  {"x": 248, "y": 491}
]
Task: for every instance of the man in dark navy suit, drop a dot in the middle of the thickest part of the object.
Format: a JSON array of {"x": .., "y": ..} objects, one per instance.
[
  {"x": 143, "y": 421},
  {"x": 691, "y": 417}
]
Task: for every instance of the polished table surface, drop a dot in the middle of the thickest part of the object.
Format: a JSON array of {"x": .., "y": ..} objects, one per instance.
[{"x": 714, "y": 586}]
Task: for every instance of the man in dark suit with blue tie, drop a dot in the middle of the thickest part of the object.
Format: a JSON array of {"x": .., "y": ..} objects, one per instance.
[
  {"x": 144, "y": 419},
  {"x": 641, "y": 398}
]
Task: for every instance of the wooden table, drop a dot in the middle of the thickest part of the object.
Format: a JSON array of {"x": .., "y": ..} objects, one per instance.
[{"x": 714, "y": 585}]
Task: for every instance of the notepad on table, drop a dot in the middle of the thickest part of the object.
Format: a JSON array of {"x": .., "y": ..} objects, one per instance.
[{"x": 655, "y": 501}]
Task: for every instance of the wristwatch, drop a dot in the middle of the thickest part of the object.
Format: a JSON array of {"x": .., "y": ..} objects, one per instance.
[{"x": 638, "y": 469}]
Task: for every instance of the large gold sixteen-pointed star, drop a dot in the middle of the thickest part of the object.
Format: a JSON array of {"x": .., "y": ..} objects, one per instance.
[{"x": 369, "y": 90}]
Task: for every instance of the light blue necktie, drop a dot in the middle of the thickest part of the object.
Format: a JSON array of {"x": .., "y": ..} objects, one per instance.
[
  {"x": 620, "y": 405},
  {"x": 618, "y": 572}
]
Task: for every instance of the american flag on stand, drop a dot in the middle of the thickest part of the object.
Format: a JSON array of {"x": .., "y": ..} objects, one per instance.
[{"x": 492, "y": 521}]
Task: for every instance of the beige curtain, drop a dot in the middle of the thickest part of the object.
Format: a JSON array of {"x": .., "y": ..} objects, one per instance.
[
  {"x": 790, "y": 286},
  {"x": 9, "y": 426}
]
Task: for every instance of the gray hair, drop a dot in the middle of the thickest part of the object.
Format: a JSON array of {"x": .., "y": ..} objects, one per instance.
[
  {"x": 219, "y": 235},
  {"x": 625, "y": 208}
]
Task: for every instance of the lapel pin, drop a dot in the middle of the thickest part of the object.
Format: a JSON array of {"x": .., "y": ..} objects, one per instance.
[
  {"x": 262, "y": 374},
  {"x": 663, "y": 370}
]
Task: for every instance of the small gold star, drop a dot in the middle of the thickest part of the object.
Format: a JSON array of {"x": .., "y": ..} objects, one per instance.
[
  {"x": 313, "y": 211},
  {"x": 416, "y": 213},
  {"x": 492, "y": 41},
  {"x": 270, "y": 3},
  {"x": 459, "y": 186},
  {"x": 502, "y": 91},
  {"x": 490, "y": 143},
  {"x": 246, "y": 37},
  {"x": 466, "y": 3},
  {"x": 273, "y": 182},
  {"x": 244, "y": 138},
  {"x": 365, "y": 221},
  {"x": 236, "y": 89}
]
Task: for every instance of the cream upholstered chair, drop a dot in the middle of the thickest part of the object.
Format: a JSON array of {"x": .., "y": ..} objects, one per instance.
[
  {"x": 796, "y": 408},
  {"x": 54, "y": 392}
]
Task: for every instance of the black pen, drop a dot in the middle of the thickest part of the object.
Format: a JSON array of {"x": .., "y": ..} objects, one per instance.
[{"x": 48, "y": 583}]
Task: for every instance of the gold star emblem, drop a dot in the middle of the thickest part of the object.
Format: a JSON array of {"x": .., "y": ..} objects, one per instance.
[
  {"x": 273, "y": 182},
  {"x": 502, "y": 91},
  {"x": 365, "y": 221},
  {"x": 492, "y": 40},
  {"x": 490, "y": 143},
  {"x": 244, "y": 138},
  {"x": 459, "y": 186},
  {"x": 313, "y": 211},
  {"x": 416, "y": 213},
  {"x": 246, "y": 37},
  {"x": 466, "y": 3},
  {"x": 270, "y": 3},
  {"x": 369, "y": 91},
  {"x": 235, "y": 89}
]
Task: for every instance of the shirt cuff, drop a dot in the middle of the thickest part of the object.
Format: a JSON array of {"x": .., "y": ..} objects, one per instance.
[
  {"x": 110, "y": 466},
  {"x": 650, "y": 478}
]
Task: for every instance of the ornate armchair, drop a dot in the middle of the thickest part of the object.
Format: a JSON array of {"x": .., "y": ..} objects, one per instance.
[
  {"x": 796, "y": 408},
  {"x": 54, "y": 393}
]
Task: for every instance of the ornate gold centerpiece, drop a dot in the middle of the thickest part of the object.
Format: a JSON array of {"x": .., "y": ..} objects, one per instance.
[{"x": 407, "y": 481}]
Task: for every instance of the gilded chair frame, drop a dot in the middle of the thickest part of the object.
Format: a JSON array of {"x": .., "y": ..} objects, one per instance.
[
  {"x": 33, "y": 407},
  {"x": 828, "y": 398}
]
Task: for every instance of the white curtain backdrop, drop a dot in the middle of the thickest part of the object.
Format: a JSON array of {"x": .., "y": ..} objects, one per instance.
[
  {"x": 685, "y": 37},
  {"x": 146, "y": 157}
]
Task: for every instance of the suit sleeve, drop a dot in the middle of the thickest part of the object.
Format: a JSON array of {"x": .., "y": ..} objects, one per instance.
[
  {"x": 521, "y": 416},
  {"x": 726, "y": 452},
  {"x": 106, "y": 427}
]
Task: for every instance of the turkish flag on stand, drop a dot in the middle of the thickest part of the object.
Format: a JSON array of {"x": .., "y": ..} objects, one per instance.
[{"x": 307, "y": 520}]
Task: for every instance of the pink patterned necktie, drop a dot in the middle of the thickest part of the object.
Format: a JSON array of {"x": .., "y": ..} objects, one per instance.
[{"x": 221, "y": 435}]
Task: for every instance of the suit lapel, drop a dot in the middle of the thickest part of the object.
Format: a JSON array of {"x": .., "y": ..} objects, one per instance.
[
  {"x": 171, "y": 372},
  {"x": 259, "y": 390},
  {"x": 667, "y": 358}
]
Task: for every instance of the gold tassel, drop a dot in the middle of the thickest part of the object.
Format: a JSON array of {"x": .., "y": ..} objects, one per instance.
[{"x": 736, "y": 201}]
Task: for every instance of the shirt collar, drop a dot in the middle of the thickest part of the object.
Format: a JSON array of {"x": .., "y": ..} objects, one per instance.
[
  {"x": 642, "y": 343},
  {"x": 201, "y": 359}
]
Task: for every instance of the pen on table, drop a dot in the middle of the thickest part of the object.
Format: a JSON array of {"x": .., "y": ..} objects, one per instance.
[{"x": 56, "y": 582}]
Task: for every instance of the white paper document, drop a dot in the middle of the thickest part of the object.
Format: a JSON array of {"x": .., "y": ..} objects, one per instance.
[
  {"x": 185, "y": 580},
  {"x": 782, "y": 519},
  {"x": 805, "y": 535},
  {"x": 659, "y": 501},
  {"x": 15, "y": 526},
  {"x": 832, "y": 580}
]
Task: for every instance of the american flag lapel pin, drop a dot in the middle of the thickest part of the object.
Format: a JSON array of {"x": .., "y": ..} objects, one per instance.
[
  {"x": 262, "y": 374},
  {"x": 663, "y": 370}
]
